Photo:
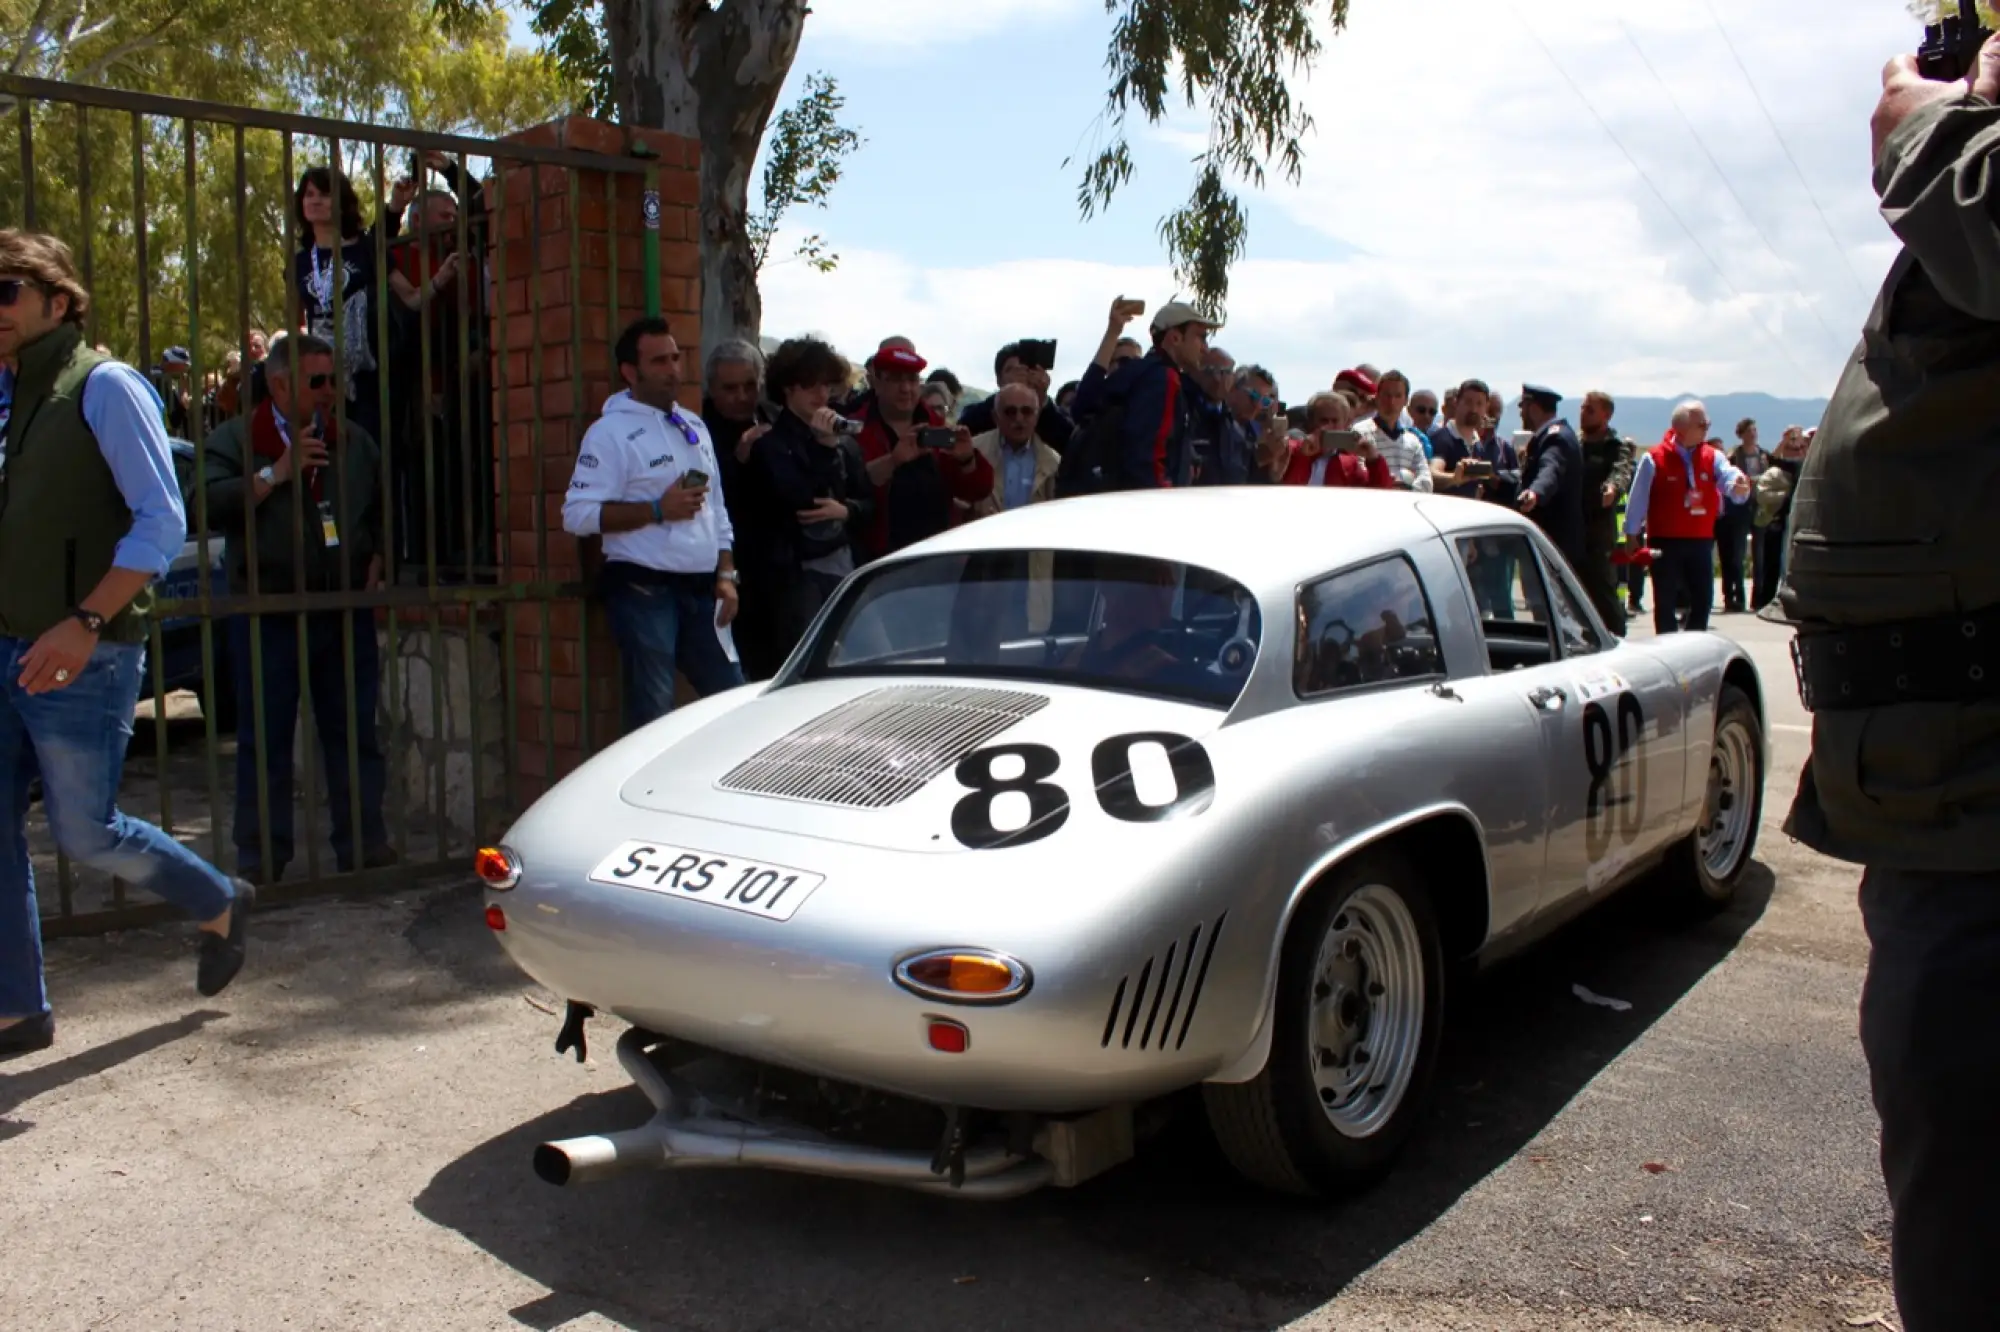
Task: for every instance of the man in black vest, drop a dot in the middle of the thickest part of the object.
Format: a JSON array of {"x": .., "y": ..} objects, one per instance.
[
  {"x": 1892, "y": 583},
  {"x": 89, "y": 516}
]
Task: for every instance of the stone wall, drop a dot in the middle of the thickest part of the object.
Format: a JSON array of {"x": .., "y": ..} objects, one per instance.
[{"x": 443, "y": 719}]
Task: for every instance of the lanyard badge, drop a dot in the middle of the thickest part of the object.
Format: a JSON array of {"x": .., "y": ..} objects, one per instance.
[{"x": 329, "y": 529}]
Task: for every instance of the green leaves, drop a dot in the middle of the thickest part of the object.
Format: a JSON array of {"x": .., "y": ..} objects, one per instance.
[
  {"x": 1237, "y": 58},
  {"x": 802, "y": 160}
]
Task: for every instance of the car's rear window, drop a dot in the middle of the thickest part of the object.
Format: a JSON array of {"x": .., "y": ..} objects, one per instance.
[{"x": 1072, "y": 617}]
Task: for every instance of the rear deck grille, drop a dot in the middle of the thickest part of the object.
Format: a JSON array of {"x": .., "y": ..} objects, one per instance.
[
  {"x": 881, "y": 748},
  {"x": 1171, "y": 979}
]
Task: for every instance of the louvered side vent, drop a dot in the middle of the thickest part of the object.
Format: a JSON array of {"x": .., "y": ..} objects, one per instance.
[
  {"x": 880, "y": 748},
  {"x": 1146, "y": 1009}
]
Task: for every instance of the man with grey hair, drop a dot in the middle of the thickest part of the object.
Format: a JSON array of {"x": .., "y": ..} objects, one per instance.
[
  {"x": 733, "y": 409},
  {"x": 1260, "y": 418},
  {"x": 1677, "y": 493}
]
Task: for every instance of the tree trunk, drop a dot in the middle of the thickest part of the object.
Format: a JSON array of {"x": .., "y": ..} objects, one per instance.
[{"x": 712, "y": 73}]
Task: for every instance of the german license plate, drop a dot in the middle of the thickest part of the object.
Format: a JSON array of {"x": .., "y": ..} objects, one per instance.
[{"x": 754, "y": 887}]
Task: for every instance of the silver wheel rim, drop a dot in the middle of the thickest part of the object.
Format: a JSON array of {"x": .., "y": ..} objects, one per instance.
[
  {"x": 1367, "y": 1016},
  {"x": 1725, "y": 819}
]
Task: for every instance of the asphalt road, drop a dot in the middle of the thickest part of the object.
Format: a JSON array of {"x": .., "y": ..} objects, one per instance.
[{"x": 342, "y": 1141}]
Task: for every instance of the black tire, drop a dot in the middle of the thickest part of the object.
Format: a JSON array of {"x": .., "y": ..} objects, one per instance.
[
  {"x": 1277, "y": 1130},
  {"x": 1705, "y": 883}
]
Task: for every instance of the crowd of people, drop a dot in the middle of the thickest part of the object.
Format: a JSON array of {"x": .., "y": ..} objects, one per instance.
[{"x": 820, "y": 469}]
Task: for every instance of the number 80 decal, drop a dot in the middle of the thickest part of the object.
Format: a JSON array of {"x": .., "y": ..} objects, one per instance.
[{"x": 1048, "y": 804}]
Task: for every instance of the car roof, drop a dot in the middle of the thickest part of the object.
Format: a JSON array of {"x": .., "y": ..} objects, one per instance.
[{"x": 1262, "y": 536}]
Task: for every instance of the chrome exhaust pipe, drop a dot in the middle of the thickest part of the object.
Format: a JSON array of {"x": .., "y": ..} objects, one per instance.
[{"x": 598, "y": 1156}]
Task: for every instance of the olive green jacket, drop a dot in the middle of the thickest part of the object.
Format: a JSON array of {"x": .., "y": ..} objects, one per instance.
[
  {"x": 1893, "y": 513},
  {"x": 1612, "y": 459}
]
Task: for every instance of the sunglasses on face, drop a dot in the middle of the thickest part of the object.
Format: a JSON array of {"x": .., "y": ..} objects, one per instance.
[
  {"x": 318, "y": 381},
  {"x": 1017, "y": 411},
  {"x": 11, "y": 289}
]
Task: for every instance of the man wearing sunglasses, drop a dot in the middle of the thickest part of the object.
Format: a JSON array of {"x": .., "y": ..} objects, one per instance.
[
  {"x": 297, "y": 492},
  {"x": 90, "y": 515}
]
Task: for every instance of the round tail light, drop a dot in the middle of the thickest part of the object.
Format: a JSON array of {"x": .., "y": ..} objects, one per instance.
[
  {"x": 497, "y": 867},
  {"x": 964, "y": 976}
]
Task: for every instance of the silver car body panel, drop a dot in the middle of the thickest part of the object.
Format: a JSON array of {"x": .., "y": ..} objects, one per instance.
[{"x": 1154, "y": 946}]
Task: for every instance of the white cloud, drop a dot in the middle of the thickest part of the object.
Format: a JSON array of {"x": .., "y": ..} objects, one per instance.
[
  {"x": 1500, "y": 230},
  {"x": 927, "y": 23}
]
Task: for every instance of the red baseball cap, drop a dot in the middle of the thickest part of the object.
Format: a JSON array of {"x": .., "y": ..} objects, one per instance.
[
  {"x": 1359, "y": 380},
  {"x": 898, "y": 358}
]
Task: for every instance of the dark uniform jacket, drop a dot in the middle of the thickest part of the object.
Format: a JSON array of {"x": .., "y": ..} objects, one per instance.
[
  {"x": 1892, "y": 517},
  {"x": 1553, "y": 470}
]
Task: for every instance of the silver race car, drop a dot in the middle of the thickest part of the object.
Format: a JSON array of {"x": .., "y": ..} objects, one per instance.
[{"x": 1083, "y": 805}]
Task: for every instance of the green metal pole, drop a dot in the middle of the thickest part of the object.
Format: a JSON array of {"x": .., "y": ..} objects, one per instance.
[{"x": 652, "y": 241}]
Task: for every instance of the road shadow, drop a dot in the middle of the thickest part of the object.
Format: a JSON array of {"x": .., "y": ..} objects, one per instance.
[
  {"x": 17, "y": 1089},
  {"x": 1169, "y": 1241}
]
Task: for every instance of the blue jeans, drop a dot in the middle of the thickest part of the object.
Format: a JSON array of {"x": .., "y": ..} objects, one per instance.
[
  {"x": 325, "y": 672},
  {"x": 76, "y": 737},
  {"x": 662, "y": 622}
]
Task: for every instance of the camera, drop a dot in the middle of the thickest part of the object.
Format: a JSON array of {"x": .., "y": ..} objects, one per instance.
[{"x": 1951, "y": 45}]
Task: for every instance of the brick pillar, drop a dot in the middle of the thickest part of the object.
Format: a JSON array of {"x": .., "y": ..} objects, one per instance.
[{"x": 541, "y": 392}]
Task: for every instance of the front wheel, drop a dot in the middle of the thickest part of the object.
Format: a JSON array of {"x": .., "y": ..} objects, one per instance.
[
  {"x": 1358, "y": 1016},
  {"x": 1707, "y": 868}
]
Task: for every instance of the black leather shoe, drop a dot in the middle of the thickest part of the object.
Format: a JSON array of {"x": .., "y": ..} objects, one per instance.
[
  {"x": 27, "y": 1036},
  {"x": 222, "y": 957}
]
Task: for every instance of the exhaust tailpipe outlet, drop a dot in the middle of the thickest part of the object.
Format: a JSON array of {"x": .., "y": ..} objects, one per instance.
[{"x": 600, "y": 1156}]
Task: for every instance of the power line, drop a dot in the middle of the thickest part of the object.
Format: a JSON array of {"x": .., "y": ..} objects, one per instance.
[
  {"x": 1658, "y": 194},
  {"x": 1860, "y": 286},
  {"x": 1840, "y": 344}
]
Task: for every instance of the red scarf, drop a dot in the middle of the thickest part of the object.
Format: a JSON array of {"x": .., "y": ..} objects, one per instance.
[{"x": 268, "y": 443}]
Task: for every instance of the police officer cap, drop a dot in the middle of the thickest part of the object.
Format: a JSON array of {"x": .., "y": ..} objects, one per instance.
[{"x": 1544, "y": 397}]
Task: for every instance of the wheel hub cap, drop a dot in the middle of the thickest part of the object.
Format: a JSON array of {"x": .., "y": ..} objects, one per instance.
[
  {"x": 1367, "y": 1013},
  {"x": 1725, "y": 824}
]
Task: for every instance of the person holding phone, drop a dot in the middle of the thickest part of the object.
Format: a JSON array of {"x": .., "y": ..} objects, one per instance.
[
  {"x": 1031, "y": 363},
  {"x": 811, "y": 486},
  {"x": 924, "y": 483},
  {"x": 647, "y": 481},
  {"x": 308, "y": 495},
  {"x": 1331, "y": 453}
]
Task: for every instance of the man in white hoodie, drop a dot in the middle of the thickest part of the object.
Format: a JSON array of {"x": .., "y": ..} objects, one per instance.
[{"x": 648, "y": 482}]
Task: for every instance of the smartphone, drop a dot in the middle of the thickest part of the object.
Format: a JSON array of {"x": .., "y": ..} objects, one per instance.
[
  {"x": 1039, "y": 354},
  {"x": 937, "y": 437},
  {"x": 1478, "y": 470},
  {"x": 1338, "y": 441},
  {"x": 694, "y": 480}
]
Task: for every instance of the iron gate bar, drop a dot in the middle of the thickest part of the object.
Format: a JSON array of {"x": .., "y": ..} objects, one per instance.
[
  {"x": 544, "y": 646},
  {"x": 469, "y": 280},
  {"x": 87, "y": 255},
  {"x": 355, "y": 885},
  {"x": 305, "y": 126},
  {"x": 503, "y": 451},
  {"x": 27, "y": 118},
  {"x": 400, "y": 834}
]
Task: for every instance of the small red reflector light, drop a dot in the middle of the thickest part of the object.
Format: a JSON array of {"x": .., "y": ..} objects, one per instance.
[
  {"x": 496, "y": 867},
  {"x": 496, "y": 919},
  {"x": 949, "y": 1037}
]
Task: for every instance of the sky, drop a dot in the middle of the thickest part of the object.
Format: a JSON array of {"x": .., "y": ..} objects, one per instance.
[{"x": 1580, "y": 193}]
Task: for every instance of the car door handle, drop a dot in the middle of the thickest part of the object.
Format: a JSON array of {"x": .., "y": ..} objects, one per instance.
[{"x": 1548, "y": 698}]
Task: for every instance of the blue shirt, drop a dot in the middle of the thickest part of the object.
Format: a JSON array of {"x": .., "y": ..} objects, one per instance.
[
  {"x": 123, "y": 412},
  {"x": 1017, "y": 473},
  {"x": 1727, "y": 474}
]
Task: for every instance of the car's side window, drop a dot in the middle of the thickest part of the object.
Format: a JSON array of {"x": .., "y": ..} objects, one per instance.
[
  {"x": 1572, "y": 624},
  {"x": 1365, "y": 626},
  {"x": 1513, "y": 603}
]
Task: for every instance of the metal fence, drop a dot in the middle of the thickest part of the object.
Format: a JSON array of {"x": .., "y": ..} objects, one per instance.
[{"x": 184, "y": 219}]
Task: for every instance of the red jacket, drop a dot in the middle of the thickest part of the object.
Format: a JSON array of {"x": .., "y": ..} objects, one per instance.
[
  {"x": 919, "y": 500},
  {"x": 1345, "y": 469},
  {"x": 1669, "y": 514}
]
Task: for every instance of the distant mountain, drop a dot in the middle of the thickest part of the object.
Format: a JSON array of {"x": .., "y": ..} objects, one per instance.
[{"x": 1646, "y": 419}]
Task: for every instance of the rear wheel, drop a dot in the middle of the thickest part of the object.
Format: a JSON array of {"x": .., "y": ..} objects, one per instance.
[
  {"x": 1707, "y": 868},
  {"x": 1359, "y": 1010}
]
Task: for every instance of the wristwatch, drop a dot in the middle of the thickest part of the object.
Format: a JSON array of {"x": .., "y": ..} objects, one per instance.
[
  {"x": 91, "y": 620},
  {"x": 728, "y": 576},
  {"x": 267, "y": 476}
]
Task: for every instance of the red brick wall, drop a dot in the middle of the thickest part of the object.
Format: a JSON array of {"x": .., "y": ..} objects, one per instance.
[{"x": 540, "y": 391}]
